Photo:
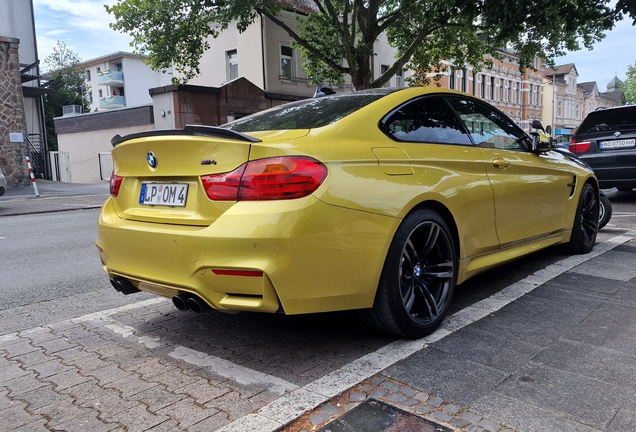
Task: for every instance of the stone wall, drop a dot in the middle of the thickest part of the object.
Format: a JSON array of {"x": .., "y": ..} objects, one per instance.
[{"x": 12, "y": 118}]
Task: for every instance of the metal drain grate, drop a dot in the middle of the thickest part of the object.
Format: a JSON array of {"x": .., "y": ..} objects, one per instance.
[{"x": 375, "y": 416}]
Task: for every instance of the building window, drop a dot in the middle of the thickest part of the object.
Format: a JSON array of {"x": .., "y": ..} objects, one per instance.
[
  {"x": 492, "y": 88},
  {"x": 578, "y": 115},
  {"x": 559, "y": 111},
  {"x": 537, "y": 97},
  {"x": 501, "y": 89},
  {"x": 100, "y": 93},
  {"x": 231, "y": 64},
  {"x": 88, "y": 74},
  {"x": 483, "y": 86},
  {"x": 399, "y": 78},
  {"x": 509, "y": 91},
  {"x": 98, "y": 70},
  {"x": 530, "y": 93},
  {"x": 518, "y": 92},
  {"x": 90, "y": 96},
  {"x": 384, "y": 69},
  {"x": 286, "y": 62},
  {"x": 451, "y": 79},
  {"x": 474, "y": 85},
  {"x": 118, "y": 66},
  {"x": 464, "y": 80}
]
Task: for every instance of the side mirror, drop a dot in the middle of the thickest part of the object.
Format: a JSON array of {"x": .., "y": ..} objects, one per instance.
[{"x": 539, "y": 145}]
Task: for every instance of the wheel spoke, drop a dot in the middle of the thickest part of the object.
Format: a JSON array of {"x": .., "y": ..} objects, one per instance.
[
  {"x": 431, "y": 241},
  {"x": 429, "y": 300},
  {"x": 442, "y": 270},
  {"x": 588, "y": 206},
  {"x": 408, "y": 297},
  {"x": 409, "y": 253}
]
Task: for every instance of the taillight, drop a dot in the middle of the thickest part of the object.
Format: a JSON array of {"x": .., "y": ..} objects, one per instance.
[
  {"x": 115, "y": 184},
  {"x": 579, "y": 147},
  {"x": 267, "y": 179}
]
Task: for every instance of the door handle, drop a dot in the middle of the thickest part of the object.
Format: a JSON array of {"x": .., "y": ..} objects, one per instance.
[{"x": 500, "y": 163}]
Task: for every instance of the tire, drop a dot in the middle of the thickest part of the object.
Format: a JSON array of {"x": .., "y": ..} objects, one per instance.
[
  {"x": 605, "y": 211},
  {"x": 585, "y": 226},
  {"x": 418, "y": 278}
]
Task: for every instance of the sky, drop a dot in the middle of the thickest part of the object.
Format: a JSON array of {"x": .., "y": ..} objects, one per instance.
[{"x": 83, "y": 26}]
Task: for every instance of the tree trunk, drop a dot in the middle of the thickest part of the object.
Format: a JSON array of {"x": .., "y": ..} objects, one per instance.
[{"x": 362, "y": 75}]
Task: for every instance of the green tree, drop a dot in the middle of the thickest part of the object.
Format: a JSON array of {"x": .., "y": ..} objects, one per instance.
[
  {"x": 67, "y": 86},
  {"x": 629, "y": 85},
  {"x": 425, "y": 32}
]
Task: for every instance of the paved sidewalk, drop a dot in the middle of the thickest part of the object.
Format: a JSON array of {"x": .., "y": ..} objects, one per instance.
[{"x": 54, "y": 196}]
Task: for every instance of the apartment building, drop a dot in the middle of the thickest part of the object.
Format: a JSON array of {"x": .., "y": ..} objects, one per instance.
[
  {"x": 593, "y": 99},
  {"x": 263, "y": 54},
  {"x": 121, "y": 80},
  {"x": 520, "y": 96},
  {"x": 20, "y": 93},
  {"x": 564, "y": 101}
]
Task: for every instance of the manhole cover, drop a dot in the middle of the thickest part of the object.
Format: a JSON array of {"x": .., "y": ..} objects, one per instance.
[{"x": 375, "y": 416}]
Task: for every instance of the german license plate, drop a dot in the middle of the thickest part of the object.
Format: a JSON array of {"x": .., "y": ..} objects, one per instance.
[
  {"x": 165, "y": 194},
  {"x": 614, "y": 144}
]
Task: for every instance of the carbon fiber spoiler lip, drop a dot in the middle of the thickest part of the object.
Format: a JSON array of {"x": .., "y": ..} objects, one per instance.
[{"x": 210, "y": 131}]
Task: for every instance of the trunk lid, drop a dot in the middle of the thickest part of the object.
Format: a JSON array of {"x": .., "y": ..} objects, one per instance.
[{"x": 166, "y": 167}]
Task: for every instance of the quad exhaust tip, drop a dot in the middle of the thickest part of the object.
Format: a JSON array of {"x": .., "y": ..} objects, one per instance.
[
  {"x": 123, "y": 285},
  {"x": 190, "y": 302}
]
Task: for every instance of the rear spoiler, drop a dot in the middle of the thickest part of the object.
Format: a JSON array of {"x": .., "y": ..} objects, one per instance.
[{"x": 210, "y": 131}]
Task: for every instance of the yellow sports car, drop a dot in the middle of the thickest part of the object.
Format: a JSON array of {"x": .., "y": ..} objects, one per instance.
[{"x": 379, "y": 200}]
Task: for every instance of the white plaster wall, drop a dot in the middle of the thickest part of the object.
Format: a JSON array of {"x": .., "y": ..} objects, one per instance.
[
  {"x": 212, "y": 63},
  {"x": 138, "y": 79},
  {"x": 249, "y": 48},
  {"x": 16, "y": 21},
  {"x": 83, "y": 149}
]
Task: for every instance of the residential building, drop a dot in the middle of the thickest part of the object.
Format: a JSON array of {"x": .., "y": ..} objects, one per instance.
[
  {"x": 21, "y": 106},
  {"x": 518, "y": 95},
  {"x": 264, "y": 55},
  {"x": 564, "y": 101},
  {"x": 121, "y": 80},
  {"x": 593, "y": 99}
]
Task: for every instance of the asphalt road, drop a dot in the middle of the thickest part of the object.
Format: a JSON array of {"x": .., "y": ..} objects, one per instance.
[{"x": 50, "y": 269}]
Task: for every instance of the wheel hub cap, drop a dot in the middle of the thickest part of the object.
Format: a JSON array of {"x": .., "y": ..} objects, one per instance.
[{"x": 417, "y": 271}]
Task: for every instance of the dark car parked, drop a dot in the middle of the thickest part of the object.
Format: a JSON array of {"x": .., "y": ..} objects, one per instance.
[{"x": 606, "y": 140}]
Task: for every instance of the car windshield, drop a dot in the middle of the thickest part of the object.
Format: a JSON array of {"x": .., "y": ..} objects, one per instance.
[
  {"x": 307, "y": 114},
  {"x": 609, "y": 120}
]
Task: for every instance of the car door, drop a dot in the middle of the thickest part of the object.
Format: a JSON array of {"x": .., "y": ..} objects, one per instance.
[
  {"x": 530, "y": 189},
  {"x": 447, "y": 167}
]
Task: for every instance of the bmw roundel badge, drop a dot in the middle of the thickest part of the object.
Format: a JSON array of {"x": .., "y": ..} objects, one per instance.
[
  {"x": 617, "y": 134},
  {"x": 152, "y": 160}
]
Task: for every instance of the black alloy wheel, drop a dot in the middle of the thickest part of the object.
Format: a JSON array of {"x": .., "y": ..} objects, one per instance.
[
  {"x": 418, "y": 278},
  {"x": 585, "y": 225}
]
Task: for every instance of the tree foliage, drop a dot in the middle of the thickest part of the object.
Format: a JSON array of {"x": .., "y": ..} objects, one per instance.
[
  {"x": 629, "y": 85},
  {"x": 425, "y": 32},
  {"x": 66, "y": 85}
]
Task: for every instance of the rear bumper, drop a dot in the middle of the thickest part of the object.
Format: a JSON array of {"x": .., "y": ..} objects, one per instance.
[{"x": 314, "y": 257}]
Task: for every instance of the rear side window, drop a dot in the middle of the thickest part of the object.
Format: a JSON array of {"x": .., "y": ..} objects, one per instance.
[
  {"x": 306, "y": 114},
  {"x": 428, "y": 120},
  {"x": 609, "y": 120},
  {"x": 488, "y": 127}
]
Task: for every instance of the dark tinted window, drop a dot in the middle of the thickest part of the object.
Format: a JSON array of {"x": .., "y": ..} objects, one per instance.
[
  {"x": 489, "y": 127},
  {"x": 306, "y": 114},
  {"x": 609, "y": 120},
  {"x": 428, "y": 119}
]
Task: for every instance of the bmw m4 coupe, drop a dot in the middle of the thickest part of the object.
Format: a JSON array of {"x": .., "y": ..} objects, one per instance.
[{"x": 381, "y": 200}]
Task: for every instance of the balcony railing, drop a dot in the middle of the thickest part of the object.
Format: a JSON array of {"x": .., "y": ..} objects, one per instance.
[
  {"x": 111, "y": 79},
  {"x": 112, "y": 102}
]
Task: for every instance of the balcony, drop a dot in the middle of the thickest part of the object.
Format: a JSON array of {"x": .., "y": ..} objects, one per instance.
[
  {"x": 112, "y": 102},
  {"x": 108, "y": 78}
]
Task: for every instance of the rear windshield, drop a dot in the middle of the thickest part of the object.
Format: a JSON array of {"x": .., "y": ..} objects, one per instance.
[
  {"x": 609, "y": 120},
  {"x": 306, "y": 114}
]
